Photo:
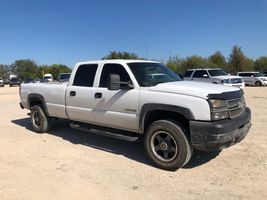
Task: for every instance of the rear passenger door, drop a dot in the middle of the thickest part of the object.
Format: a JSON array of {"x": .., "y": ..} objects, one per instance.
[
  {"x": 80, "y": 101},
  {"x": 116, "y": 109}
]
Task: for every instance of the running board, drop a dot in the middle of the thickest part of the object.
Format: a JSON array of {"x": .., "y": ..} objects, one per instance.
[{"x": 108, "y": 133}]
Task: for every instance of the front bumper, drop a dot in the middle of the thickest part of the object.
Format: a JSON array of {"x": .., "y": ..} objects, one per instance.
[{"x": 216, "y": 135}]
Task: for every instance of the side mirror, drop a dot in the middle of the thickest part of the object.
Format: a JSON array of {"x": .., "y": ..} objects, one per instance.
[
  {"x": 114, "y": 83},
  {"x": 205, "y": 76},
  {"x": 252, "y": 76}
]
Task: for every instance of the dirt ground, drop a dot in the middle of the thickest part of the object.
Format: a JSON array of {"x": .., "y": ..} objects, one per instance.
[{"x": 70, "y": 164}]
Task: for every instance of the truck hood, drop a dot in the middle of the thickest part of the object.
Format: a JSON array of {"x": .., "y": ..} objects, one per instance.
[{"x": 197, "y": 89}]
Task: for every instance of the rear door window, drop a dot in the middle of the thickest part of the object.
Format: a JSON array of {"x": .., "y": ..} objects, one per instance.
[
  {"x": 85, "y": 75},
  {"x": 200, "y": 74}
]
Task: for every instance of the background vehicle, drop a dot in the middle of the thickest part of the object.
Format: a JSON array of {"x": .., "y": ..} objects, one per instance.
[
  {"x": 6, "y": 81},
  {"x": 214, "y": 75},
  {"x": 2, "y": 82},
  {"x": 48, "y": 78},
  {"x": 28, "y": 80},
  {"x": 115, "y": 96},
  {"x": 37, "y": 80},
  {"x": 14, "y": 81},
  {"x": 253, "y": 78},
  {"x": 64, "y": 77}
]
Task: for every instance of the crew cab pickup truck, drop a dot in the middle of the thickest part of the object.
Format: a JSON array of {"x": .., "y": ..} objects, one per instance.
[{"x": 142, "y": 99}]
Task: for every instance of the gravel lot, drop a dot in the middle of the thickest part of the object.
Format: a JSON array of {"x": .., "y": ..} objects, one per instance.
[{"x": 70, "y": 164}]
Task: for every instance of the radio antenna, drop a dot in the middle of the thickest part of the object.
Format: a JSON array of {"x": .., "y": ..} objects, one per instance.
[{"x": 146, "y": 51}]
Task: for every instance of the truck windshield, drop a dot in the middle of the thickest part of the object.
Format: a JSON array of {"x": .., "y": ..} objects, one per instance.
[
  {"x": 217, "y": 72},
  {"x": 151, "y": 74}
]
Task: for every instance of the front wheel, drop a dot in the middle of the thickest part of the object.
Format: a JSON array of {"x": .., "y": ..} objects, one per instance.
[
  {"x": 258, "y": 83},
  {"x": 167, "y": 145},
  {"x": 41, "y": 123}
]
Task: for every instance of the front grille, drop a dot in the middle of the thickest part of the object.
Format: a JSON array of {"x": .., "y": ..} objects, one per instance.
[
  {"x": 236, "y": 80},
  {"x": 236, "y": 107}
]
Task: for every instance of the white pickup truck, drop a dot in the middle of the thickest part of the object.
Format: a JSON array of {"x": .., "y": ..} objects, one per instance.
[{"x": 130, "y": 98}]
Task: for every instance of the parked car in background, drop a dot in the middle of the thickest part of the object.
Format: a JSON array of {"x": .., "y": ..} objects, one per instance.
[
  {"x": 253, "y": 78},
  {"x": 2, "y": 82},
  {"x": 37, "y": 80},
  {"x": 214, "y": 75},
  {"x": 14, "y": 81},
  {"x": 48, "y": 78},
  {"x": 64, "y": 77},
  {"x": 264, "y": 73},
  {"x": 28, "y": 80},
  {"x": 6, "y": 81}
]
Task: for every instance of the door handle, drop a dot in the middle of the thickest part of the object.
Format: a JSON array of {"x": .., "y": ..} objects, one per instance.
[
  {"x": 72, "y": 93},
  {"x": 98, "y": 95}
]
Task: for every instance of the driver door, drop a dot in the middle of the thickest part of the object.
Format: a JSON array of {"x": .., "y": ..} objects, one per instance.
[{"x": 116, "y": 108}]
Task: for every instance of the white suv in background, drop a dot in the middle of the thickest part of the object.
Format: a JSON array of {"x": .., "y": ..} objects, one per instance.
[
  {"x": 1, "y": 82},
  {"x": 253, "y": 78},
  {"x": 214, "y": 75}
]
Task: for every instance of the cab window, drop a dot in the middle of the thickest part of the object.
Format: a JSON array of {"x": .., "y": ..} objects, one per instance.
[{"x": 113, "y": 69}]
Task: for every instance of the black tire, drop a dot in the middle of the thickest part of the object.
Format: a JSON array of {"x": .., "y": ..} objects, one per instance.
[
  {"x": 166, "y": 144},
  {"x": 41, "y": 123},
  {"x": 258, "y": 83}
]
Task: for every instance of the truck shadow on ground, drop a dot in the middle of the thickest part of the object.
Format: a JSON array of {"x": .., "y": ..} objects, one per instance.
[{"x": 131, "y": 150}]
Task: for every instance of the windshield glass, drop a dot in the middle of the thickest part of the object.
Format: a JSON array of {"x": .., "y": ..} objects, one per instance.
[
  {"x": 258, "y": 75},
  {"x": 151, "y": 74},
  {"x": 217, "y": 72}
]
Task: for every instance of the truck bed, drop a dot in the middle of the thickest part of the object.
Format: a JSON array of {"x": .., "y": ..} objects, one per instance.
[{"x": 53, "y": 93}]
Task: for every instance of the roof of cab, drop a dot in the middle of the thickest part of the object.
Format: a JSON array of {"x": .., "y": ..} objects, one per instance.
[
  {"x": 120, "y": 61},
  {"x": 204, "y": 69}
]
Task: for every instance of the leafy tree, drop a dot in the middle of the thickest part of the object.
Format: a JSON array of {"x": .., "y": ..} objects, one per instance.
[
  {"x": 174, "y": 64},
  {"x": 120, "y": 55},
  {"x": 237, "y": 60},
  {"x": 24, "y": 68},
  {"x": 4, "y": 71},
  {"x": 218, "y": 59},
  {"x": 248, "y": 65},
  {"x": 261, "y": 63},
  {"x": 195, "y": 62},
  {"x": 54, "y": 69}
]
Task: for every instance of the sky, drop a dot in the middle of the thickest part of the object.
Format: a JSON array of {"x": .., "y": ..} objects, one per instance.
[{"x": 69, "y": 31}]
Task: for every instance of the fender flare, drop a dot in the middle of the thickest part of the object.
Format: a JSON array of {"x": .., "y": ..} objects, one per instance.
[
  {"x": 39, "y": 97},
  {"x": 162, "y": 107}
]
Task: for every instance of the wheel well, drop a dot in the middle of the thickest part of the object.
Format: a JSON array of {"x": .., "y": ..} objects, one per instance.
[
  {"x": 35, "y": 101},
  {"x": 155, "y": 115}
]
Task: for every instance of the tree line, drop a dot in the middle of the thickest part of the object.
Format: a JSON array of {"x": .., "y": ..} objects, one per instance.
[
  {"x": 27, "y": 68},
  {"x": 236, "y": 62}
]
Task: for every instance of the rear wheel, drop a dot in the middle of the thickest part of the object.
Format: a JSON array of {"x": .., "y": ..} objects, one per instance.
[
  {"x": 41, "y": 123},
  {"x": 167, "y": 145},
  {"x": 258, "y": 83}
]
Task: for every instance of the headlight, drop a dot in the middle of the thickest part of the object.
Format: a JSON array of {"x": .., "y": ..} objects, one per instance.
[
  {"x": 215, "y": 103},
  {"x": 219, "y": 109},
  {"x": 219, "y": 115}
]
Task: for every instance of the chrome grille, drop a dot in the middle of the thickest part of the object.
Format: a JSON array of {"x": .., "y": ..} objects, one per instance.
[{"x": 236, "y": 107}]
